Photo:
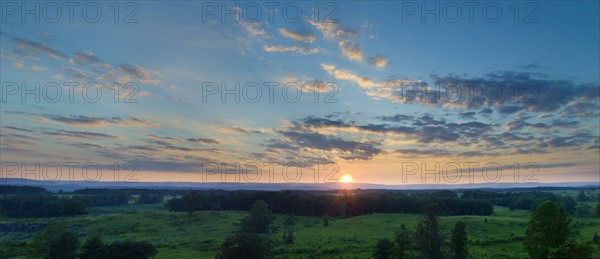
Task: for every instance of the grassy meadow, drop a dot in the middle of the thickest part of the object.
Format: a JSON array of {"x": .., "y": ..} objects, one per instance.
[{"x": 179, "y": 235}]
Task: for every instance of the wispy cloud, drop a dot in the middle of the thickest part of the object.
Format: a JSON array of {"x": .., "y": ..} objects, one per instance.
[
  {"x": 333, "y": 29},
  {"x": 138, "y": 73},
  {"x": 378, "y": 61},
  {"x": 79, "y": 134},
  {"x": 233, "y": 130},
  {"x": 78, "y": 120},
  {"x": 89, "y": 58},
  {"x": 38, "y": 48},
  {"x": 256, "y": 29},
  {"x": 297, "y": 49},
  {"x": 298, "y": 36}
]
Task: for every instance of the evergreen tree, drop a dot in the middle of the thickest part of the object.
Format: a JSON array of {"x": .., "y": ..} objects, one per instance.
[
  {"x": 403, "y": 243},
  {"x": 428, "y": 235},
  {"x": 459, "y": 240}
]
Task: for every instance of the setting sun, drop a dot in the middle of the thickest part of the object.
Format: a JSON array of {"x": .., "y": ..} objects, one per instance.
[{"x": 346, "y": 178}]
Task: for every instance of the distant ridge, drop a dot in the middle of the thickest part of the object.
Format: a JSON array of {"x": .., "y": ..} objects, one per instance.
[{"x": 74, "y": 185}]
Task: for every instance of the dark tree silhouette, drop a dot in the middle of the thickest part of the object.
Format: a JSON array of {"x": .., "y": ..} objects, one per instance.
[
  {"x": 428, "y": 235},
  {"x": 288, "y": 237},
  {"x": 458, "y": 241},
  {"x": 403, "y": 242},
  {"x": 244, "y": 245},
  {"x": 129, "y": 250},
  {"x": 384, "y": 249},
  {"x": 64, "y": 246},
  {"x": 92, "y": 248}
]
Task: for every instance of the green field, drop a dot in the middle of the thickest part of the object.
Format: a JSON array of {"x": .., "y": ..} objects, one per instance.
[{"x": 178, "y": 235}]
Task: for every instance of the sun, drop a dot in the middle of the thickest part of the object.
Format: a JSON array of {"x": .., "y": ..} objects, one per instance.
[{"x": 346, "y": 178}]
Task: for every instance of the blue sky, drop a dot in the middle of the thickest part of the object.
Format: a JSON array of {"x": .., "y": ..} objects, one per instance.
[{"x": 371, "y": 124}]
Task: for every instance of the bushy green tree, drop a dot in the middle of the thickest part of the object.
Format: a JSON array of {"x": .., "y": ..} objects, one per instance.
[
  {"x": 569, "y": 204},
  {"x": 548, "y": 229},
  {"x": 596, "y": 239},
  {"x": 129, "y": 250},
  {"x": 581, "y": 196},
  {"x": 63, "y": 247},
  {"x": 259, "y": 219},
  {"x": 244, "y": 245},
  {"x": 289, "y": 220},
  {"x": 45, "y": 241},
  {"x": 288, "y": 236},
  {"x": 573, "y": 249},
  {"x": 384, "y": 249},
  {"x": 325, "y": 220},
  {"x": 92, "y": 248},
  {"x": 458, "y": 241}
]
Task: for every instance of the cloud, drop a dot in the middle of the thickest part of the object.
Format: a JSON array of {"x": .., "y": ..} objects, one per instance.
[
  {"x": 491, "y": 92},
  {"x": 79, "y": 73},
  {"x": 536, "y": 93},
  {"x": 79, "y": 134},
  {"x": 86, "y": 121},
  {"x": 19, "y": 64},
  {"x": 347, "y": 76},
  {"x": 333, "y": 29},
  {"x": 233, "y": 130},
  {"x": 298, "y": 49},
  {"x": 310, "y": 85},
  {"x": 379, "y": 61},
  {"x": 89, "y": 58},
  {"x": 425, "y": 129},
  {"x": 256, "y": 29},
  {"x": 203, "y": 140},
  {"x": 137, "y": 72},
  {"x": 39, "y": 68},
  {"x": 168, "y": 141},
  {"x": 38, "y": 48},
  {"x": 345, "y": 149},
  {"x": 351, "y": 50},
  {"x": 16, "y": 128},
  {"x": 298, "y": 36},
  {"x": 581, "y": 109},
  {"x": 379, "y": 89},
  {"x": 397, "y": 118}
]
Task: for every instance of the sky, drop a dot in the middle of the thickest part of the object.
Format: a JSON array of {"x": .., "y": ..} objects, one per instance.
[{"x": 301, "y": 92}]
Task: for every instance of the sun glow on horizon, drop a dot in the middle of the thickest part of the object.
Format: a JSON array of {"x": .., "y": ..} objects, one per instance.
[{"x": 346, "y": 178}]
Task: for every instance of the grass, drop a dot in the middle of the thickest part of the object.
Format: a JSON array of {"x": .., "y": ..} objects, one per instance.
[{"x": 178, "y": 235}]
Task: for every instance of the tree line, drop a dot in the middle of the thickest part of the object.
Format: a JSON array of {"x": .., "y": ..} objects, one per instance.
[
  {"x": 26, "y": 201},
  {"x": 341, "y": 204},
  {"x": 521, "y": 200}
]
